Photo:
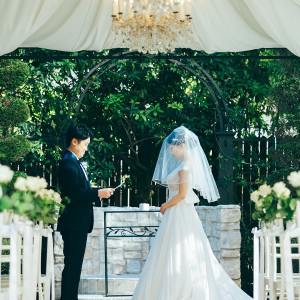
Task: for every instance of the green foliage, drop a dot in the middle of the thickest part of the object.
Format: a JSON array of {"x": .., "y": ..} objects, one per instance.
[
  {"x": 278, "y": 175},
  {"x": 285, "y": 100},
  {"x": 13, "y": 148},
  {"x": 13, "y": 74},
  {"x": 137, "y": 103},
  {"x": 13, "y": 112}
]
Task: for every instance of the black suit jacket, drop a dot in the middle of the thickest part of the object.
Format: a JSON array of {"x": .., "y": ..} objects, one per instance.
[{"x": 78, "y": 212}]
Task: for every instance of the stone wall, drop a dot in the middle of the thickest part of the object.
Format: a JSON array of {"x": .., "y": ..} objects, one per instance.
[{"x": 127, "y": 255}]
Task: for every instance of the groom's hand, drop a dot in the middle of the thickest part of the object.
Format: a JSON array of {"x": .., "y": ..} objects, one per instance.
[{"x": 105, "y": 193}]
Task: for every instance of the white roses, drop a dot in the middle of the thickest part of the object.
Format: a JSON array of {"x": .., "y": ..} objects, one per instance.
[
  {"x": 294, "y": 179},
  {"x": 30, "y": 183},
  {"x": 6, "y": 174},
  {"x": 263, "y": 191},
  {"x": 255, "y": 198},
  {"x": 20, "y": 184},
  {"x": 48, "y": 194},
  {"x": 281, "y": 190}
]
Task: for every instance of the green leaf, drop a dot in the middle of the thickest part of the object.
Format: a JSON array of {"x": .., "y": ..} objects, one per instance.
[{"x": 293, "y": 204}]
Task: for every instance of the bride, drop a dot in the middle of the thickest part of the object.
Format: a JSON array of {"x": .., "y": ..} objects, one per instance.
[{"x": 181, "y": 264}]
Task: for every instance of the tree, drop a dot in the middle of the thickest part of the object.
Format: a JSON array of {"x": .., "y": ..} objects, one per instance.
[{"x": 14, "y": 111}]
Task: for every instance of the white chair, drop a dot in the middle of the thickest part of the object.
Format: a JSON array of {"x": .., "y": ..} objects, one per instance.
[
  {"x": 291, "y": 250},
  {"x": 267, "y": 261},
  {"x": 13, "y": 259},
  {"x": 28, "y": 262},
  {"x": 24, "y": 258},
  {"x": 276, "y": 252},
  {"x": 45, "y": 282}
]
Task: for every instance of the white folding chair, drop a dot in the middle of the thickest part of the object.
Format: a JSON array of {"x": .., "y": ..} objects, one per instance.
[
  {"x": 13, "y": 259},
  {"x": 267, "y": 262},
  {"x": 291, "y": 250},
  {"x": 45, "y": 281}
]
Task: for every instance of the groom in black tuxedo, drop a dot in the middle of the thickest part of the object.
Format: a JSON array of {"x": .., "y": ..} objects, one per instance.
[{"x": 77, "y": 219}]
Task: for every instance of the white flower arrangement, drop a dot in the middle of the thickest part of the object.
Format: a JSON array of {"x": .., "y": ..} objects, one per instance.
[
  {"x": 28, "y": 196},
  {"x": 273, "y": 202}
]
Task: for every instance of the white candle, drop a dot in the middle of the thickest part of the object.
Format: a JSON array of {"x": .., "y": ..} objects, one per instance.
[
  {"x": 187, "y": 7},
  {"x": 144, "y": 206},
  {"x": 121, "y": 7},
  {"x": 176, "y": 6},
  {"x": 115, "y": 8},
  {"x": 181, "y": 12}
]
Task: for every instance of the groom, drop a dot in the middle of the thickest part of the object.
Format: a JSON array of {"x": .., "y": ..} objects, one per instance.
[{"x": 77, "y": 219}]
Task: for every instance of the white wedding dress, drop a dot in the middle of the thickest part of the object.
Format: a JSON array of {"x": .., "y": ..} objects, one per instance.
[{"x": 181, "y": 264}]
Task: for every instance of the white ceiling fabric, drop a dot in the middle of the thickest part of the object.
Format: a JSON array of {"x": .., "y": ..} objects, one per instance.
[{"x": 218, "y": 25}]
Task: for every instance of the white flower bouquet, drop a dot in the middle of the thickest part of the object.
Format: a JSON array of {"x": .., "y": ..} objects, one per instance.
[
  {"x": 28, "y": 196},
  {"x": 277, "y": 201}
]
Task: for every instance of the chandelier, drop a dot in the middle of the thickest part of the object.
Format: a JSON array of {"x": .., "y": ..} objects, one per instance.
[{"x": 151, "y": 26}]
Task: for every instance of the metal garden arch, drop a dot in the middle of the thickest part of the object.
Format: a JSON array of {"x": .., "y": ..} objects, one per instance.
[{"x": 225, "y": 135}]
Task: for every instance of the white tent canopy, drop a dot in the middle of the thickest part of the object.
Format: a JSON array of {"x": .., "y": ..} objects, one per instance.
[{"x": 218, "y": 25}]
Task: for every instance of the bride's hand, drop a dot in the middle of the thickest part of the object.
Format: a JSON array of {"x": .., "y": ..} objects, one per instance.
[{"x": 163, "y": 209}]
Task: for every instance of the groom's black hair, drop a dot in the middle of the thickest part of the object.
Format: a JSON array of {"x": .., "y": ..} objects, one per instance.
[{"x": 79, "y": 132}]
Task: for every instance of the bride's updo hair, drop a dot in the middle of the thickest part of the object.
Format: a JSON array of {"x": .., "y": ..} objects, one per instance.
[
  {"x": 176, "y": 138},
  {"x": 182, "y": 136}
]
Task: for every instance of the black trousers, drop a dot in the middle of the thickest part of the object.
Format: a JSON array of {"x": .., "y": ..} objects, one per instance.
[{"x": 74, "y": 248}]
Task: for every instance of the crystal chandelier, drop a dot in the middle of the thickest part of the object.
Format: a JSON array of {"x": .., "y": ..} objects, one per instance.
[{"x": 151, "y": 26}]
